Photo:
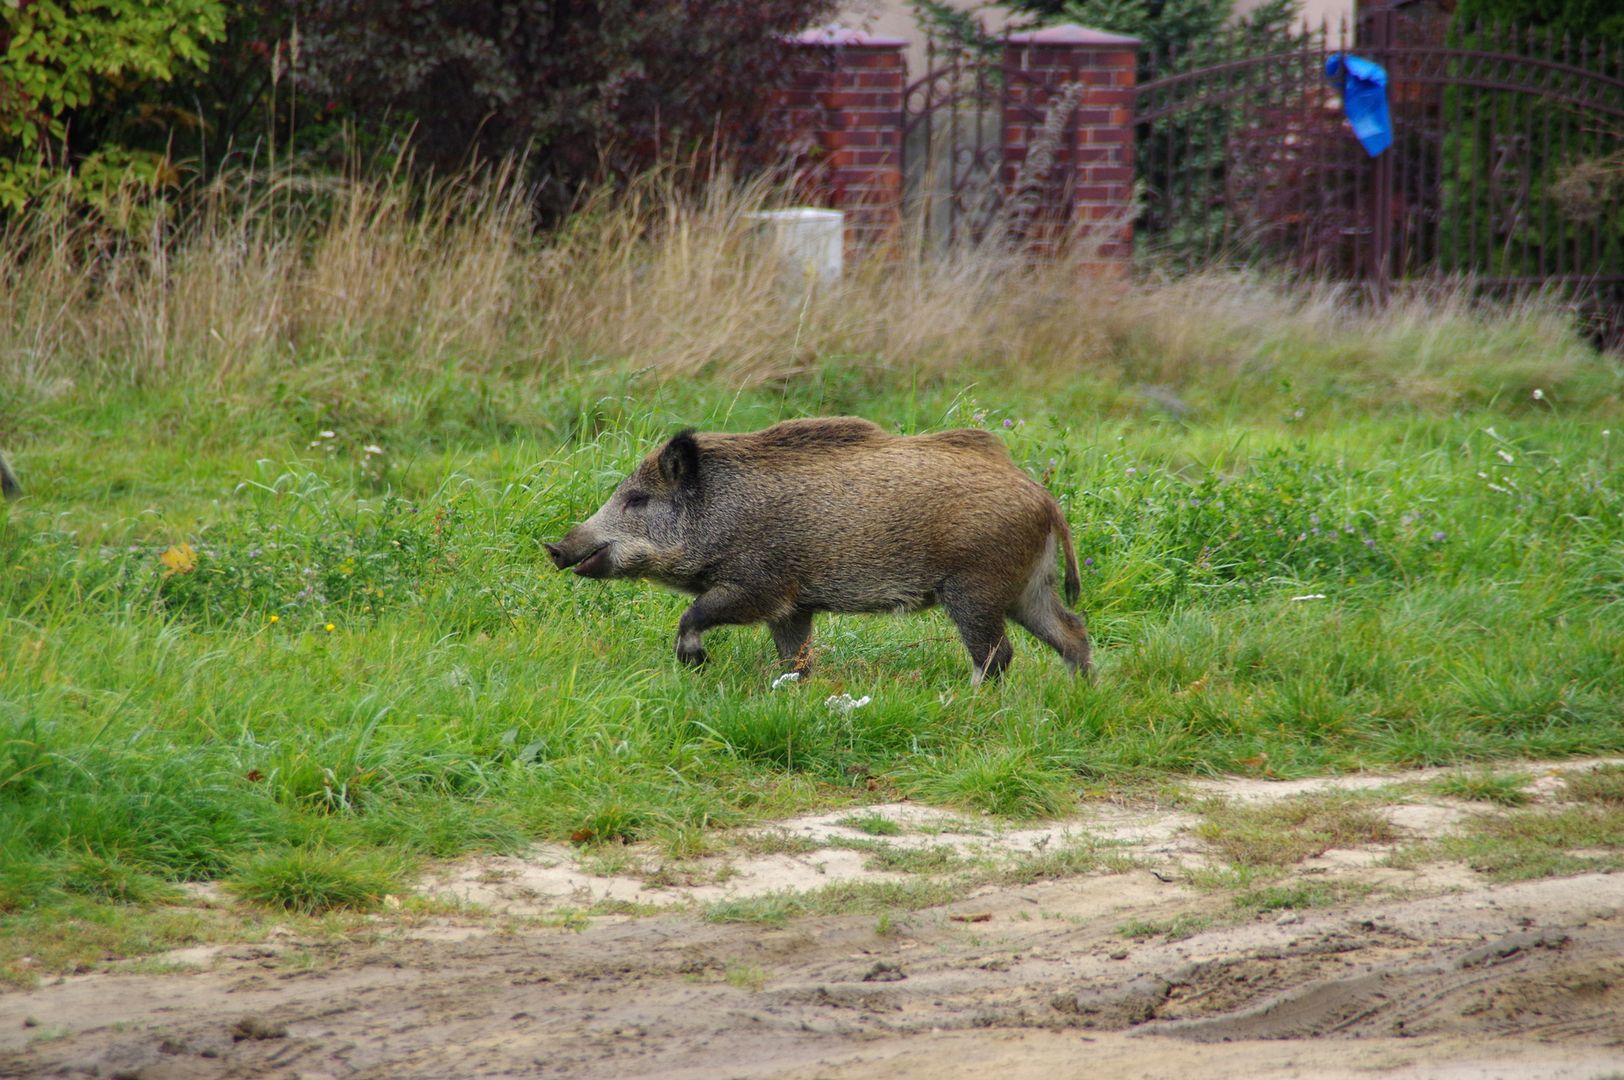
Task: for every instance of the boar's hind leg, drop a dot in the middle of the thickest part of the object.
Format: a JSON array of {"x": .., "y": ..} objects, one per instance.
[
  {"x": 981, "y": 628},
  {"x": 1049, "y": 621},
  {"x": 1039, "y": 610},
  {"x": 793, "y": 634},
  {"x": 721, "y": 606}
]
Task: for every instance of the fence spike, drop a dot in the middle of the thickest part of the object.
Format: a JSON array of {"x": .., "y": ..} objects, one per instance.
[{"x": 1548, "y": 54}]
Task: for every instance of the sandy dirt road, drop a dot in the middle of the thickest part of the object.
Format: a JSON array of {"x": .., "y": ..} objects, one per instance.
[{"x": 1435, "y": 974}]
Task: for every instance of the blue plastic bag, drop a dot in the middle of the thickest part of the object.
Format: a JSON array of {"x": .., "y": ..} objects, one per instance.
[{"x": 1364, "y": 98}]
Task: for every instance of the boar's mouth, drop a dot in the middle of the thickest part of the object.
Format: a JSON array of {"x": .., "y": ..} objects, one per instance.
[{"x": 595, "y": 563}]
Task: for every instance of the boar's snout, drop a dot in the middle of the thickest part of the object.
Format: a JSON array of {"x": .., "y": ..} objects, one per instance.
[{"x": 589, "y": 559}]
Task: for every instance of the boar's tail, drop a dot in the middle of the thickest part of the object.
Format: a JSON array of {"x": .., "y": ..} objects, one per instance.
[
  {"x": 8, "y": 479},
  {"x": 1074, "y": 585}
]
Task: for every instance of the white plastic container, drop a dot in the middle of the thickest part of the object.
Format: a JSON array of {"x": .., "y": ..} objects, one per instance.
[{"x": 810, "y": 242}]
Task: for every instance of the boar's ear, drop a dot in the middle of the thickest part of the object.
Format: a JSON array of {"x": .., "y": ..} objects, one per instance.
[{"x": 679, "y": 461}]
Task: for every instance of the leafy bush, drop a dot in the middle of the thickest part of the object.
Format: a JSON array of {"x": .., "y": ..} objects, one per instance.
[
  {"x": 1593, "y": 19},
  {"x": 61, "y": 58},
  {"x": 115, "y": 90},
  {"x": 580, "y": 86}
]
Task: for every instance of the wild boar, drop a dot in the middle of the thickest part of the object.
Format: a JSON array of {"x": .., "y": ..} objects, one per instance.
[
  {"x": 8, "y": 479},
  {"x": 837, "y": 515}
]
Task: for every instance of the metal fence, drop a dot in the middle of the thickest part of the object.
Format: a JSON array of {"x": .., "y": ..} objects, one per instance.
[
  {"x": 953, "y": 146},
  {"x": 989, "y": 146},
  {"x": 1504, "y": 168}
]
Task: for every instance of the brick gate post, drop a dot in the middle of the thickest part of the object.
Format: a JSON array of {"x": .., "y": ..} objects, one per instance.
[
  {"x": 841, "y": 117},
  {"x": 1087, "y": 192}
]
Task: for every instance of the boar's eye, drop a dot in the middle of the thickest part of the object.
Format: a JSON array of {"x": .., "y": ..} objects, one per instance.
[{"x": 636, "y": 500}]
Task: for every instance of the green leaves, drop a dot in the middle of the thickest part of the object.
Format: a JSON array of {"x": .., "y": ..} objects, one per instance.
[{"x": 59, "y": 57}]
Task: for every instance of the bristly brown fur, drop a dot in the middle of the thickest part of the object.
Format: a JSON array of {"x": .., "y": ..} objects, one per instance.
[{"x": 838, "y": 515}]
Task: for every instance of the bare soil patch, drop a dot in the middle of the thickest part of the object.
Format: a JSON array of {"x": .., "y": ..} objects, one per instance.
[{"x": 1416, "y": 970}]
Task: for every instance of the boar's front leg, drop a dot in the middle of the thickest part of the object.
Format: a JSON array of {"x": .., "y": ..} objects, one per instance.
[{"x": 725, "y": 605}]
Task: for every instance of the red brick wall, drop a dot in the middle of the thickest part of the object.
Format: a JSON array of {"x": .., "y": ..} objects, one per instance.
[
  {"x": 842, "y": 120},
  {"x": 1092, "y": 203}
]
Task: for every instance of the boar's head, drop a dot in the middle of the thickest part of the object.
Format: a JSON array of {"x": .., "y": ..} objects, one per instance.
[{"x": 639, "y": 531}]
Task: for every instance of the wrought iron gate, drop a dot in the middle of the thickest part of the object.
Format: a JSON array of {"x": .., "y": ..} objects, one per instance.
[
  {"x": 1504, "y": 169},
  {"x": 985, "y": 148},
  {"x": 952, "y": 147}
]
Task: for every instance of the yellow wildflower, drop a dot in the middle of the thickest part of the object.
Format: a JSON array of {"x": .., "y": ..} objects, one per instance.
[{"x": 180, "y": 559}]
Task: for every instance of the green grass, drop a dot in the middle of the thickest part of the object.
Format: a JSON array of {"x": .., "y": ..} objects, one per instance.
[
  {"x": 1503, "y": 789},
  {"x": 1291, "y": 830},
  {"x": 746, "y": 977},
  {"x": 1299, "y": 895},
  {"x": 224, "y": 632},
  {"x": 310, "y": 881},
  {"x": 1603, "y": 785},
  {"x": 1061, "y": 862},
  {"x": 1583, "y": 833},
  {"x": 872, "y": 824},
  {"x": 1176, "y": 928},
  {"x": 1009, "y": 781},
  {"x": 1541, "y": 845},
  {"x": 844, "y": 898},
  {"x": 78, "y": 934},
  {"x": 888, "y": 858}
]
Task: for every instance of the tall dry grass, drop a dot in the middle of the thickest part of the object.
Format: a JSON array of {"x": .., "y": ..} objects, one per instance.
[{"x": 384, "y": 274}]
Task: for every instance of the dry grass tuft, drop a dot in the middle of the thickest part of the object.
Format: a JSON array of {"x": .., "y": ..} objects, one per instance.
[
  {"x": 1287, "y": 832},
  {"x": 346, "y": 275}
]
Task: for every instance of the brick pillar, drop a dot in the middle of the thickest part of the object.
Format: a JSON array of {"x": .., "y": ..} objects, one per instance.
[
  {"x": 841, "y": 118},
  {"x": 1087, "y": 191}
]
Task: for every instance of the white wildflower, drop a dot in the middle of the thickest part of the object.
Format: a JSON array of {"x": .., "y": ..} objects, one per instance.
[
  {"x": 786, "y": 678},
  {"x": 1309, "y": 596},
  {"x": 1505, "y": 457},
  {"x": 845, "y": 702}
]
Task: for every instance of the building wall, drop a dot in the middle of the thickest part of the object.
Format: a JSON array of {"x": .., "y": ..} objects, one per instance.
[
  {"x": 894, "y": 18},
  {"x": 1331, "y": 12}
]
